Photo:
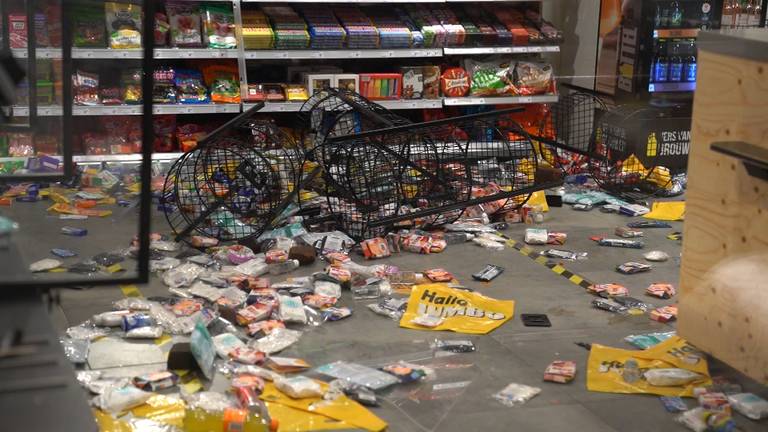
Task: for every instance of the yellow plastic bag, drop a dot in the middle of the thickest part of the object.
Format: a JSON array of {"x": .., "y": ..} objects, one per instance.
[
  {"x": 342, "y": 408},
  {"x": 605, "y": 367},
  {"x": 296, "y": 420},
  {"x": 667, "y": 210},
  {"x": 162, "y": 409},
  {"x": 538, "y": 198},
  {"x": 107, "y": 423},
  {"x": 463, "y": 311}
]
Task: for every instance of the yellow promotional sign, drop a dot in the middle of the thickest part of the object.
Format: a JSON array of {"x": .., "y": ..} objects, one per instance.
[
  {"x": 667, "y": 210},
  {"x": 605, "y": 368},
  {"x": 461, "y": 311},
  {"x": 296, "y": 420}
]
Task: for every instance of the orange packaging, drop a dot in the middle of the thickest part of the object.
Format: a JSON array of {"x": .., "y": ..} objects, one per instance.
[
  {"x": 5, "y": 201},
  {"x": 375, "y": 248},
  {"x": 234, "y": 419},
  {"x": 85, "y": 204}
]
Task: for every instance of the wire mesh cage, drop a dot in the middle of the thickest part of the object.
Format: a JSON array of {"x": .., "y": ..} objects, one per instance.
[
  {"x": 627, "y": 156},
  {"x": 566, "y": 136},
  {"x": 236, "y": 186},
  {"x": 427, "y": 174}
]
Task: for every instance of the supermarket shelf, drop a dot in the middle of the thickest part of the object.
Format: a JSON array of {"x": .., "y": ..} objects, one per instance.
[
  {"x": 113, "y": 110},
  {"x": 502, "y": 50},
  {"x": 277, "y": 106},
  {"x": 499, "y": 100},
  {"x": 107, "y": 53},
  {"x": 342, "y": 53},
  {"x": 672, "y": 87},
  {"x": 411, "y": 104},
  {"x": 133, "y": 157},
  {"x": 43, "y": 53},
  {"x": 347, "y": 1},
  {"x": 676, "y": 33}
]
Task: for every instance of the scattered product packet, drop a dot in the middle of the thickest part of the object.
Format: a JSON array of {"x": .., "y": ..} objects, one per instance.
[
  {"x": 405, "y": 372},
  {"x": 560, "y": 371},
  {"x": 673, "y": 404},
  {"x": 299, "y": 387},
  {"x": 453, "y": 345},
  {"x": 648, "y": 340},
  {"x": 609, "y": 305},
  {"x": 622, "y": 243},
  {"x": 438, "y": 275},
  {"x": 335, "y": 314},
  {"x": 749, "y": 405},
  {"x": 487, "y": 274},
  {"x": 656, "y": 256},
  {"x": 626, "y": 232},
  {"x": 664, "y": 313},
  {"x": 648, "y": 224},
  {"x": 609, "y": 289},
  {"x": 147, "y": 332},
  {"x": 556, "y": 238},
  {"x": 287, "y": 364},
  {"x": 701, "y": 420},
  {"x": 536, "y": 236},
  {"x": 516, "y": 394},
  {"x": 563, "y": 254},
  {"x": 376, "y": 247},
  {"x": 358, "y": 374},
  {"x": 247, "y": 355},
  {"x": 633, "y": 304},
  {"x": 715, "y": 401},
  {"x": 292, "y": 309},
  {"x": 390, "y": 307},
  {"x": 671, "y": 377},
  {"x": 633, "y": 267},
  {"x": 156, "y": 381},
  {"x": 264, "y": 327},
  {"x": 661, "y": 290},
  {"x": 44, "y": 265},
  {"x": 427, "y": 320},
  {"x": 277, "y": 340}
]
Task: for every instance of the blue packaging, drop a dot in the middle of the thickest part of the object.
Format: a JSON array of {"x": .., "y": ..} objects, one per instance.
[
  {"x": 133, "y": 321},
  {"x": 72, "y": 231},
  {"x": 63, "y": 253},
  {"x": 673, "y": 404}
]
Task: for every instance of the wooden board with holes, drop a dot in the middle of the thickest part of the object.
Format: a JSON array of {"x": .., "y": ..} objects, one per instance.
[{"x": 724, "y": 288}]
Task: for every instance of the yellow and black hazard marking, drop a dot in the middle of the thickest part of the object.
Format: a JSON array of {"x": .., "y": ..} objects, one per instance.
[{"x": 557, "y": 268}]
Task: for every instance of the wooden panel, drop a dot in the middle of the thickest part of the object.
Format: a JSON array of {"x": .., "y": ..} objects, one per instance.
[{"x": 724, "y": 290}]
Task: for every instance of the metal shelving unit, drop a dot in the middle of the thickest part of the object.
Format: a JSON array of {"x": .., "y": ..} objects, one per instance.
[
  {"x": 341, "y": 54},
  {"x": 500, "y": 100},
  {"x": 529, "y": 49}
]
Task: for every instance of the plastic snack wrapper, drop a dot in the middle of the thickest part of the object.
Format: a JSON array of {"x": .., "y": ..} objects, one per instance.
[
  {"x": 405, "y": 372},
  {"x": 749, "y": 405},
  {"x": 622, "y": 243},
  {"x": 219, "y": 25},
  {"x": 609, "y": 305},
  {"x": 560, "y": 371},
  {"x": 277, "y": 340},
  {"x": 225, "y": 343},
  {"x": 609, "y": 289},
  {"x": 701, "y": 420},
  {"x": 116, "y": 400},
  {"x": 633, "y": 304},
  {"x": 516, "y": 394},
  {"x": 390, "y": 307},
  {"x": 644, "y": 341},
  {"x": 427, "y": 321},
  {"x": 488, "y": 244},
  {"x": 164, "y": 245},
  {"x": 656, "y": 256},
  {"x": 714, "y": 401},
  {"x": 182, "y": 275},
  {"x": 212, "y": 402},
  {"x": 123, "y": 25},
  {"x": 253, "y": 267},
  {"x": 257, "y": 371},
  {"x": 247, "y": 355},
  {"x": 76, "y": 350},
  {"x": 490, "y": 78},
  {"x": 148, "y": 332},
  {"x": 563, "y": 254},
  {"x": 185, "y": 24},
  {"x": 661, "y": 290},
  {"x": 44, "y": 265},
  {"x": 453, "y": 345},
  {"x": 203, "y": 349},
  {"x": 133, "y": 304},
  {"x": 299, "y": 387},
  {"x": 292, "y": 309},
  {"x": 327, "y": 288},
  {"x": 671, "y": 377},
  {"x": 87, "y": 331},
  {"x": 156, "y": 381},
  {"x": 632, "y": 267},
  {"x": 163, "y": 264},
  {"x": 358, "y": 374},
  {"x": 536, "y": 236}
]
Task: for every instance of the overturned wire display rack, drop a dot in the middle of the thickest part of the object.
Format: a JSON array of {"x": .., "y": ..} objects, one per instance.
[
  {"x": 236, "y": 183},
  {"x": 566, "y": 135},
  {"x": 422, "y": 174}
]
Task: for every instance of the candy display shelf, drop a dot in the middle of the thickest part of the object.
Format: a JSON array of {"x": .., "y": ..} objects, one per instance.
[
  {"x": 529, "y": 49},
  {"x": 108, "y": 53},
  {"x": 342, "y": 54},
  {"x": 88, "y": 159},
  {"x": 459, "y": 101},
  {"x": 118, "y": 110}
]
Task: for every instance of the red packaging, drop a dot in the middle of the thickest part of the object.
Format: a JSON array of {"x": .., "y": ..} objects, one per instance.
[
  {"x": 247, "y": 355},
  {"x": 17, "y": 30},
  {"x": 248, "y": 380},
  {"x": 318, "y": 301},
  {"x": 560, "y": 371},
  {"x": 455, "y": 82},
  {"x": 661, "y": 290},
  {"x": 338, "y": 273},
  {"x": 274, "y": 256},
  {"x": 188, "y": 136},
  {"x": 611, "y": 289},
  {"x": 556, "y": 238},
  {"x": 265, "y": 327},
  {"x": 247, "y": 396},
  {"x": 164, "y": 126},
  {"x": 664, "y": 313},
  {"x": 252, "y": 313},
  {"x": 438, "y": 275}
]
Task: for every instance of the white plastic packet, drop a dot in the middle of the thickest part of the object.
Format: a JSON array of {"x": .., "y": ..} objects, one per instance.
[
  {"x": 44, "y": 265},
  {"x": 693, "y": 419},
  {"x": 87, "y": 331},
  {"x": 163, "y": 245},
  {"x": 111, "y": 318},
  {"x": 488, "y": 244},
  {"x": 516, "y": 394},
  {"x": 670, "y": 377},
  {"x": 163, "y": 264},
  {"x": 182, "y": 275},
  {"x": 327, "y": 289},
  {"x": 133, "y": 304},
  {"x": 254, "y": 267},
  {"x": 299, "y": 387},
  {"x": 278, "y": 340},
  {"x": 212, "y": 402},
  {"x": 258, "y": 371},
  {"x": 116, "y": 400},
  {"x": 536, "y": 236},
  {"x": 149, "y": 332},
  {"x": 427, "y": 321},
  {"x": 203, "y": 290},
  {"x": 656, "y": 256},
  {"x": 750, "y": 405},
  {"x": 492, "y": 237},
  {"x": 292, "y": 309},
  {"x": 225, "y": 343}
]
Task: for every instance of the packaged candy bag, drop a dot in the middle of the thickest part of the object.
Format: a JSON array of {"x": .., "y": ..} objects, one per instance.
[
  {"x": 88, "y": 27},
  {"x": 123, "y": 25},
  {"x": 162, "y": 27},
  {"x": 130, "y": 80},
  {"x": 163, "y": 90},
  {"x": 223, "y": 82},
  {"x": 86, "y": 88},
  {"x": 219, "y": 22},
  {"x": 185, "y": 24},
  {"x": 190, "y": 87},
  {"x": 492, "y": 78}
]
